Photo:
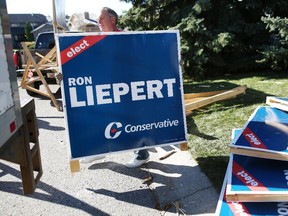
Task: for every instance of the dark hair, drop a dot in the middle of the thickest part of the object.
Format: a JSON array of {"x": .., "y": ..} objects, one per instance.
[{"x": 111, "y": 13}]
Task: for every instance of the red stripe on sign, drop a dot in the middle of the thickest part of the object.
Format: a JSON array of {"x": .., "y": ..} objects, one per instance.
[
  {"x": 249, "y": 180},
  {"x": 237, "y": 208},
  {"x": 80, "y": 46},
  {"x": 253, "y": 139}
]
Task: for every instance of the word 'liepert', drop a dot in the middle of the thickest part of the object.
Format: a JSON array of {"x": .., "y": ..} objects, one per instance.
[{"x": 113, "y": 93}]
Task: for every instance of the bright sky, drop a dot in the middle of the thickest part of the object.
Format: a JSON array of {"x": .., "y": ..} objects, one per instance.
[{"x": 72, "y": 6}]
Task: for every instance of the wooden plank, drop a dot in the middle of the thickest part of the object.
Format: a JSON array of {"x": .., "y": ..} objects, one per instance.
[
  {"x": 25, "y": 73},
  {"x": 202, "y": 94},
  {"x": 46, "y": 66},
  {"x": 49, "y": 57},
  {"x": 37, "y": 91},
  {"x": 257, "y": 198},
  {"x": 218, "y": 97},
  {"x": 167, "y": 155},
  {"x": 258, "y": 153},
  {"x": 33, "y": 157},
  {"x": 186, "y": 101},
  {"x": 32, "y": 80},
  {"x": 41, "y": 56}
]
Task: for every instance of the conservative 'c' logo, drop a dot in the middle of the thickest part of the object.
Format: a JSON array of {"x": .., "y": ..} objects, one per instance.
[{"x": 112, "y": 130}]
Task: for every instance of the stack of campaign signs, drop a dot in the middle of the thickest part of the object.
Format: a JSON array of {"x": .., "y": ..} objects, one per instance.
[{"x": 256, "y": 181}]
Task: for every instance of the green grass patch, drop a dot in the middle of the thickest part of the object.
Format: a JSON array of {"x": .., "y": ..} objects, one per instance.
[{"x": 210, "y": 127}]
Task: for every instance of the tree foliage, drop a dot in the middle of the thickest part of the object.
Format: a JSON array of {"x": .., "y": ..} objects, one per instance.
[
  {"x": 29, "y": 36},
  {"x": 217, "y": 36},
  {"x": 276, "y": 52}
]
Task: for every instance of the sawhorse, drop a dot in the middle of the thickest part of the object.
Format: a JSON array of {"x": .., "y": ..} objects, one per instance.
[
  {"x": 49, "y": 61},
  {"x": 23, "y": 148}
]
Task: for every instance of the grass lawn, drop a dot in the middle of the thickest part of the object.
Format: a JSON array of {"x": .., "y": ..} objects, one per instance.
[{"x": 209, "y": 128}]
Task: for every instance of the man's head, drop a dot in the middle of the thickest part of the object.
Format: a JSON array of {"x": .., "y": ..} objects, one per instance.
[{"x": 108, "y": 20}]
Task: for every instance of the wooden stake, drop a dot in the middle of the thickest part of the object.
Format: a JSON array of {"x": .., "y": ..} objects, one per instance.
[
  {"x": 74, "y": 166},
  {"x": 184, "y": 146}
]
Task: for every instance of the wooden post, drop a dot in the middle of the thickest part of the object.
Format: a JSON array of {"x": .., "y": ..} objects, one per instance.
[
  {"x": 184, "y": 146},
  {"x": 74, "y": 166}
]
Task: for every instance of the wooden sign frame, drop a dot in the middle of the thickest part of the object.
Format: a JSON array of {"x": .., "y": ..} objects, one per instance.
[{"x": 278, "y": 102}]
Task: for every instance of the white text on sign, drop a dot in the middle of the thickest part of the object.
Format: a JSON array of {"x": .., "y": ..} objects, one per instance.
[
  {"x": 113, "y": 93},
  {"x": 247, "y": 178},
  {"x": 74, "y": 50}
]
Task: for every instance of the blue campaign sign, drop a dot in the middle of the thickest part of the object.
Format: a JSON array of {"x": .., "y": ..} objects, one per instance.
[
  {"x": 225, "y": 208},
  {"x": 122, "y": 91},
  {"x": 252, "y": 179},
  {"x": 251, "y": 171},
  {"x": 252, "y": 208},
  {"x": 266, "y": 131}
]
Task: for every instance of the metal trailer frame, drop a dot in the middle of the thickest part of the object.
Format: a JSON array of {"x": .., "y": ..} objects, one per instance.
[
  {"x": 10, "y": 111},
  {"x": 19, "y": 142}
]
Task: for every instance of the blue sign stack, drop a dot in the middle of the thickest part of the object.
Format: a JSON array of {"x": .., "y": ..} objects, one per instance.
[{"x": 256, "y": 181}]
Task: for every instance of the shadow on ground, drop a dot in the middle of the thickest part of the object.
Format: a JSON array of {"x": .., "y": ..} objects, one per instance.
[
  {"x": 46, "y": 124},
  {"x": 50, "y": 194},
  {"x": 169, "y": 184},
  {"x": 217, "y": 174}
]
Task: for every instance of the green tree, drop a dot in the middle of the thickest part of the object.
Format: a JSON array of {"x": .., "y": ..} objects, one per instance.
[
  {"x": 217, "y": 36},
  {"x": 276, "y": 52},
  {"x": 29, "y": 36}
]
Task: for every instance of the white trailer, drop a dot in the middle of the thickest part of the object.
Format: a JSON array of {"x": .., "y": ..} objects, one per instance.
[
  {"x": 10, "y": 112},
  {"x": 18, "y": 124}
]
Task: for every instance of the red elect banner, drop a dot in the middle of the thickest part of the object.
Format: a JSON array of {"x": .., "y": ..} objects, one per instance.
[{"x": 79, "y": 47}]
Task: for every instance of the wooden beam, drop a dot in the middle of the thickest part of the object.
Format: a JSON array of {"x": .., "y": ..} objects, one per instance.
[
  {"x": 261, "y": 197},
  {"x": 202, "y": 94},
  {"x": 258, "y": 153},
  {"x": 218, "y": 97}
]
